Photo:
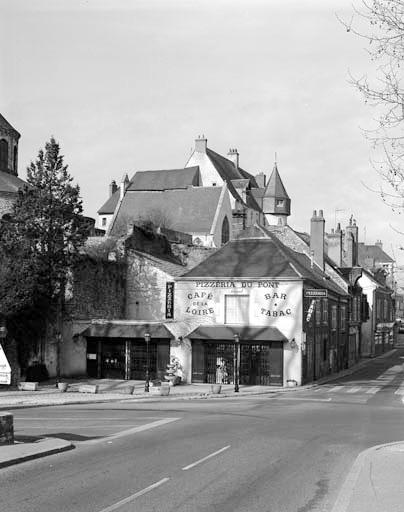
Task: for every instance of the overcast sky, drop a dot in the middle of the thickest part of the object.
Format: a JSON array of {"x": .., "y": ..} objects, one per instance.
[{"x": 128, "y": 85}]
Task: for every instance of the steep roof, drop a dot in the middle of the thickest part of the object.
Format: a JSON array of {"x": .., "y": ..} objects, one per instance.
[
  {"x": 110, "y": 204},
  {"x": 10, "y": 183},
  {"x": 174, "y": 206},
  {"x": 260, "y": 258},
  {"x": 374, "y": 252},
  {"x": 165, "y": 179},
  {"x": 227, "y": 170},
  {"x": 275, "y": 187},
  {"x": 7, "y": 126}
]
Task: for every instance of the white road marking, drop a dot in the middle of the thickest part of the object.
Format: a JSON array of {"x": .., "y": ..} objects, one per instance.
[
  {"x": 133, "y": 430},
  {"x": 400, "y": 390},
  {"x": 353, "y": 390},
  {"x": 134, "y": 496},
  {"x": 373, "y": 390},
  {"x": 205, "y": 458},
  {"x": 335, "y": 389},
  {"x": 303, "y": 398}
]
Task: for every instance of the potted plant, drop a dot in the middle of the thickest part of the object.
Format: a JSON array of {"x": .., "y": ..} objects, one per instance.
[
  {"x": 291, "y": 383},
  {"x": 216, "y": 388},
  {"x": 62, "y": 386}
]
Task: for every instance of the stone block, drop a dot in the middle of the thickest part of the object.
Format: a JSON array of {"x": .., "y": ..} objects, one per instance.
[
  {"x": 28, "y": 386},
  {"x": 88, "y": 388},
  {"x": 6, "y": 428}
]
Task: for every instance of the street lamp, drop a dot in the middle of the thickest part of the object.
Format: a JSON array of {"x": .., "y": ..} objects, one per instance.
[
  {"x": 236, "y": 364},
  {"x": 147, "y": 383}
]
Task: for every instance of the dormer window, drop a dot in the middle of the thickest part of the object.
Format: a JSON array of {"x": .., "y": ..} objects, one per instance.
[{"x": 280, "y": 202}]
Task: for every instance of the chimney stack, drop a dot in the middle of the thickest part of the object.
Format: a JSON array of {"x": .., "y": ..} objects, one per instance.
[
  {"x": 351, "y": 244},
  {"x": 335, "y": 245},
  {"x": 113, "y": 187},
  {"x": 261, "y": 180},
  {"x": 317, "y": 232},
  {"x": 379, "y": 243},
  {"x": 124, "y": 185},
  {"x": 201, "y": 144},
  {"x": 233, "y": 156}
]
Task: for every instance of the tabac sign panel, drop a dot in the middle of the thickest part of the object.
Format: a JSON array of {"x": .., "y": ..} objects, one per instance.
[
  {"x": 5, "y": 369},
  {"x": 169, "y": 300}
]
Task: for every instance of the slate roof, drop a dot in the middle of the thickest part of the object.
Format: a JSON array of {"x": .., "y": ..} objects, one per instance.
[
  {"x": 7, "y": 126},
  {"x": 110, "y": 204},
  {"x": 165, "y": 179},
  {"x": 275, "y": 187},
  {"x": 227, "y": 170},
  {"x": 260, "y": 258},
  {"x": 174, "y": 206},
  {"x": 10, "y": 183},
  {"x": 374, "y": 252}
]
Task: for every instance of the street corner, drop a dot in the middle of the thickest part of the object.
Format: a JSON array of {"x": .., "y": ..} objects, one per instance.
[
  {"x": 29, "y": 448},
  {"x": 376, "y": 472}
]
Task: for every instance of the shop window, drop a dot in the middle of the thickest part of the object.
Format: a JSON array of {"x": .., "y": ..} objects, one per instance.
[
  {"x": 318, "y": 311},
  {"x": 3, "y": 154},
  {"x": 325, "y": 311},
  {"x": 225, "y": 230},
  {"x": 342, "y": 320},
  {"x": 236, "y": 309},
  {"x": 334, "y": 317}
]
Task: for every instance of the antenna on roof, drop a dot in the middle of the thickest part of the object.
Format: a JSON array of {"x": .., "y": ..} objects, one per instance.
[{"x": 276, "y": 158}]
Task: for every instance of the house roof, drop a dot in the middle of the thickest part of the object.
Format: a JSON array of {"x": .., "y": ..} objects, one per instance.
[
  {"x": 7, "y": 126},
  {"x": 374, "y": 252},
  {"x": 261, "y": 258},
  {"x": 227, "y": 170},
  {"x": 165, "y": 179},
  {"x": 173, "y": 206},
  {"x": 275, "y": 187},
  {"x": 10, "y": 183},
  {"x": 110, "y": 204}
]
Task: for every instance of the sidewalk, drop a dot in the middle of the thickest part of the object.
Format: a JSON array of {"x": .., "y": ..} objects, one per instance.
[{"x": 375, "y": 482}]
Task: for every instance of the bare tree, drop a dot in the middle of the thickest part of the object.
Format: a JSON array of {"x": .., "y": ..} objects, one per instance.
[{"x": 381, "y": 24}]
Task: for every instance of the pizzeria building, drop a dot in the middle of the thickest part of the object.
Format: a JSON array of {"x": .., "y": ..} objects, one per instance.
[{"x": 270, "y": 301}]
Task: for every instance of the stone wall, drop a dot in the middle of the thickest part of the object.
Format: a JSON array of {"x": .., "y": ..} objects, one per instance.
[
  {"x": 97, "y": 290},
  {"x": 6, "y": 202}
]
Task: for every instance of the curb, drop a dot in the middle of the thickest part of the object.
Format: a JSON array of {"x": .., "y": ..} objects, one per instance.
[
  {"x": 347, "y": 489},
  {"x": 64, "y": 447}
]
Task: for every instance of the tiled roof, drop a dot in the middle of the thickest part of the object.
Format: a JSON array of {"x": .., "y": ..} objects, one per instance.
[
  {"x": 10, "y": 183},
  {"x": 110, "y": 204},
  {"x": 374, "y": 252},
  {"x": 275, "y": 187},
  {"x": 6, "y": 125},
  {"x": 174, "y": 206},
  {"x": 165, "y": 179},
  {"x": 227, "y": 169},
  {"x": 260, "y": 258}
]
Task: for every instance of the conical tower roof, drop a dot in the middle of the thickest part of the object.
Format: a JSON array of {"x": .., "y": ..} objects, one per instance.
[{"x": 275, "y": 187}]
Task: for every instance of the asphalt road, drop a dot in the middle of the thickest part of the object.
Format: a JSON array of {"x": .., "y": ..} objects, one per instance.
[{"x": 284, "y": 453}]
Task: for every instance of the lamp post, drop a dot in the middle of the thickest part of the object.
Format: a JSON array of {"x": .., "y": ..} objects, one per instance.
[
  {"x": 147, "y": 383},
  {"x": 236, "y": 362}
]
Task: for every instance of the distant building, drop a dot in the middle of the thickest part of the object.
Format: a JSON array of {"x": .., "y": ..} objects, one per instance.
[{"x": 10, "y": 183}]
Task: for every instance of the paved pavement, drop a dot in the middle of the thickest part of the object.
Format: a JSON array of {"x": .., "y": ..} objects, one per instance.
[{"x": 374, "y": 482}]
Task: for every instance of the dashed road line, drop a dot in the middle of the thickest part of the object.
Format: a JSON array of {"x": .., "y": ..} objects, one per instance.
[
  {"x": 335, "y": 389},
  {"x": 353, "y": 390},
  {"x": 373, "y": 390},
  {"x": 205, "y": 458},
  {"x": 132, "y": 497}
]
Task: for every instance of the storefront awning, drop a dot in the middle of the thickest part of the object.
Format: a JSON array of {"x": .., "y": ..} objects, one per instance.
[
  {"x": 113, "y": 330},
  {"x": 246, "y": 333},
  {"x": 385, "y": 326}
]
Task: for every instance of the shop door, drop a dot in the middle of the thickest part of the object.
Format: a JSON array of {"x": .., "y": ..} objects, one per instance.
[
  {"x": 255, "y": 365},
  {"x": 198, "y": 361},
  {"x": 92, "y": 358},
  {"x": 276, "y": 363},
  {"x": 113, "y": 360},
  {"x": 139, "y": 360},
  {"x": 219, "y": 363}
]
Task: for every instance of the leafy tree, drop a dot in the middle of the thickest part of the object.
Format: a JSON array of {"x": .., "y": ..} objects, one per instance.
[
  {"x": 381, "y": 24},
  {"x": 40, "y": 240}
]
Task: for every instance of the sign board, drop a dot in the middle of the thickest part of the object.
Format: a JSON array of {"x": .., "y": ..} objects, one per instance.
[
  {"x": 5, "y": 369},
  {"x": 3, "y": 331},
  {"x": 315, "y": 292},
  {"x": 170, "y": 300}
]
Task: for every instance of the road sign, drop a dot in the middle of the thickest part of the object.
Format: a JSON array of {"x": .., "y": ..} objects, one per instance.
[
  {"x": 5, "y": 369},
  {"x": 315, "y": 292}
]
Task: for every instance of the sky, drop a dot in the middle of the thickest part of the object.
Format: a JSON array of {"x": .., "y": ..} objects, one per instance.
[{"x": 125, "y": 86}]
